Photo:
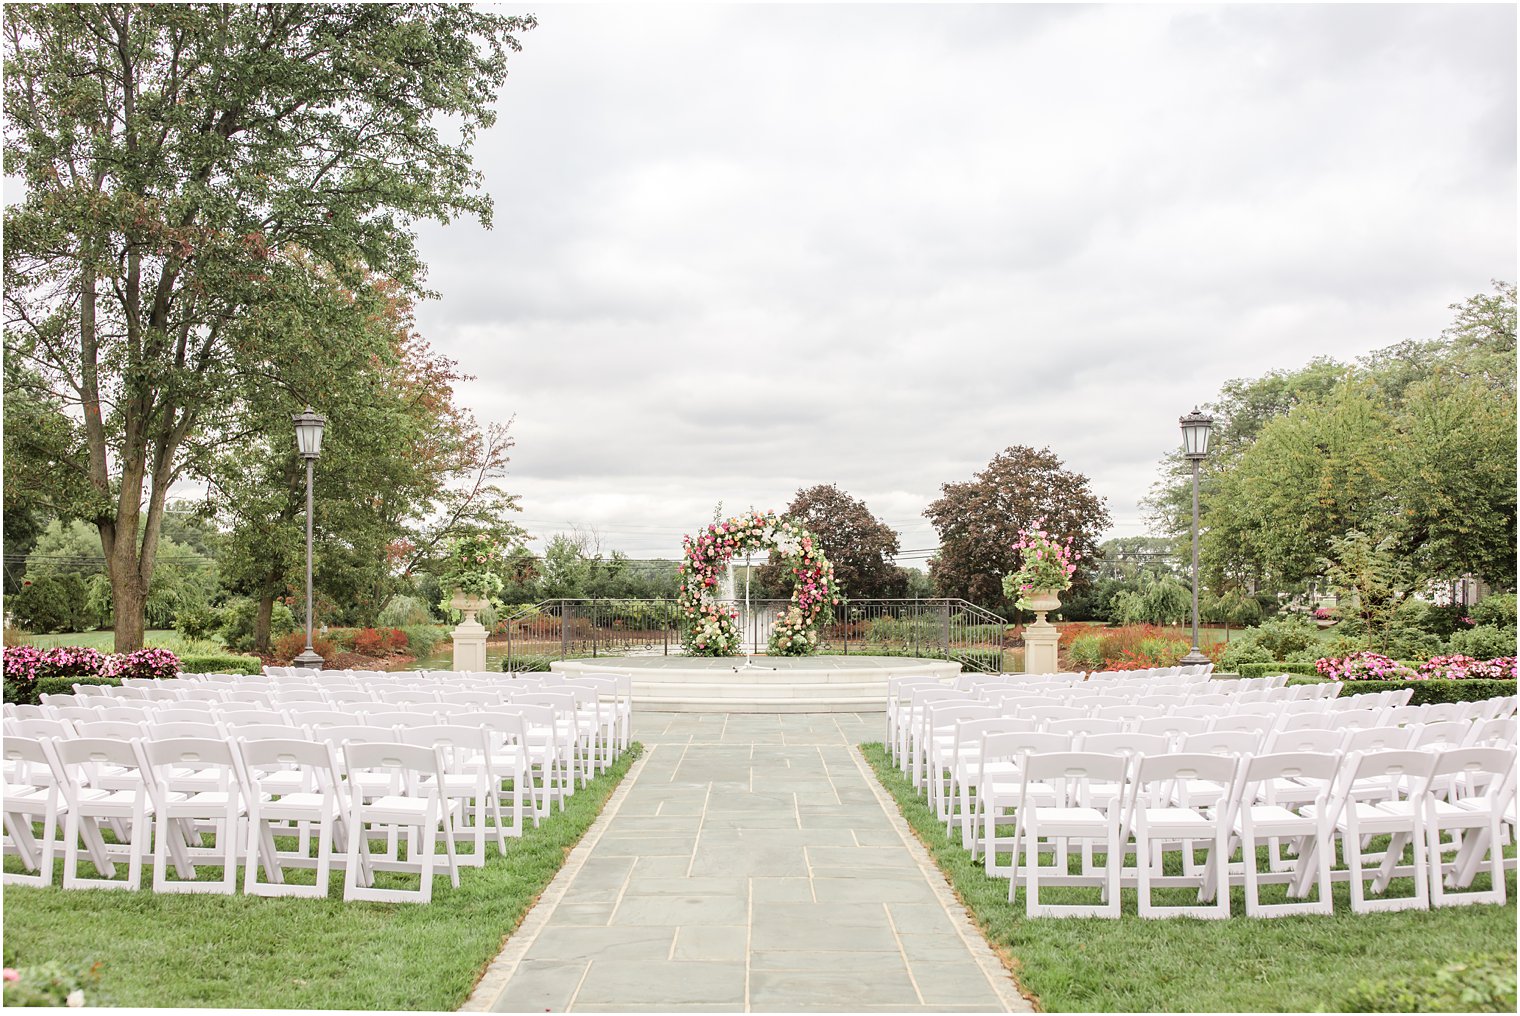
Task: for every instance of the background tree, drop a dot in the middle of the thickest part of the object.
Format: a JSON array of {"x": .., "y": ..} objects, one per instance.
[
  {"x": 1231, "y": 607},
  {"x": 179, "y": 162},
  {"x": 402, "y": 468},
  {"x": 979, "y": 520},
  {"x": 1454, "y": 479},
  {"x": 858, "y": 544},
  {"x": 1371, "y": 580},
  {"x": 1156, "y": 599},
  {"x": 1414, "y": 443},
  {"x": 1309, "y": 477}
]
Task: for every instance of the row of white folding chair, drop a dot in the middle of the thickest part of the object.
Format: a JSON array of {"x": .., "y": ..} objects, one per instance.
[
  {"x": 190, "y": 787},
  {"x": 906, "y": 697},
  {"x": 1107, "y": 799},
  {"x": 925, "y": 704},
  {"x": 963, "y": 762},
  {"x": 586, "y": 740},
  {"x": 614, "y": 688},
  {"x": 482, "y": 755}
]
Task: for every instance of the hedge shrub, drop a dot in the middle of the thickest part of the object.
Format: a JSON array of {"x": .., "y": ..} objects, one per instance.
[
  {"x": 526, "y": 664},
  {"x": 50, "y": 686},
  {"x": 1430, "y": 692},
  {"x": 422, "y": 638},
  {"x": 220, "y": 663},
  {"x": 1273, "y": 669},
  {"x": 1480, "y": 984}
]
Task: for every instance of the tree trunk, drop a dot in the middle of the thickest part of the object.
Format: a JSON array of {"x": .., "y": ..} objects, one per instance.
[
  {"x": 261, "y": 620},
  {"x": 128, "y": 600}
]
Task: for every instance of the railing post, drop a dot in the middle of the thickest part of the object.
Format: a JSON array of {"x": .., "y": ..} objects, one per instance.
[
  {"x": 507, "y": 663},
  {"x": 945, "y": 625},
  {"x": 593, "y": 629},
  {"x": 847, "y": 628},
  {"x": 564, "y": 628}
]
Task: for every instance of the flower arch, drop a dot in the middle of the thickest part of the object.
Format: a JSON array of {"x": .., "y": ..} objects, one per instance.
[{"x": 712, "y": 628}]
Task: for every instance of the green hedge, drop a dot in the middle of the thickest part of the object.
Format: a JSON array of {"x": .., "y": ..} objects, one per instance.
[
  {"x": 526, "y": 664},
  {"x": 52, "y": 686},
  {"x": 1429, "y": 692},
  {"x": 220, "y": 663},
  {"x": 1273, "y": 669}
]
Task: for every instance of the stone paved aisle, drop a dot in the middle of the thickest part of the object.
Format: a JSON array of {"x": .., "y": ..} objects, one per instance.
[{"x": 747, "y": 864}]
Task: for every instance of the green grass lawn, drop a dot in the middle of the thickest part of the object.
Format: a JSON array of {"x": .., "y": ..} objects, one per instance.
[
  {"x": 1296, "y": 964},
  {"x": 249, "y": 952},
  {"x": 105, "y": 641}
]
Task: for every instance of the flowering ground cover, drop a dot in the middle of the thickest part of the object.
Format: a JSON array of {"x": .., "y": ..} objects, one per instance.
[
  {"x": 1295, "y": 964},
  {"x": 253, "y": 953}
]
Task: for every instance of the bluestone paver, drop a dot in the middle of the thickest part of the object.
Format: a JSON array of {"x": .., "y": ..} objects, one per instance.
[{"x": 749, "y": 864}]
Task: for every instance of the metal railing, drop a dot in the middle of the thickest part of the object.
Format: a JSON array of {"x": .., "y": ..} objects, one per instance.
[{"x": 948, "y": 629}]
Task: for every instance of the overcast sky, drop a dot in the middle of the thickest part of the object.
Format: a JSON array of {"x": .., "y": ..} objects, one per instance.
[{"x": 742, "y": 250}]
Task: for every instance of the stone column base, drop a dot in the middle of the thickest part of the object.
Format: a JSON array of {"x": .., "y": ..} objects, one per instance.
[
  {"x": 1040, "y": 652},
  {"x": 470, "y": 645}
]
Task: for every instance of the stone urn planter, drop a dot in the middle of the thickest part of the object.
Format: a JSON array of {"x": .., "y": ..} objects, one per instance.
[
  {"x": 1042, "y": 600},
  {"x": 470, "y": 634},
  {"x": 468, "y": 604},
  {"x": 1040, "y": 650}
]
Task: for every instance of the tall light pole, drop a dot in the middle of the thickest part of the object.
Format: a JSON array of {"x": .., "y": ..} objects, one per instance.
[
  {"x": 1195, "y": 447},
  {"x": 309, "y": 446}
]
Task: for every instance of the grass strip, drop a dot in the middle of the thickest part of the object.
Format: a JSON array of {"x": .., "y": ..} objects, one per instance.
[
  {"x": 1292, "y": 964},
  {"x": 255, "y": 953}
]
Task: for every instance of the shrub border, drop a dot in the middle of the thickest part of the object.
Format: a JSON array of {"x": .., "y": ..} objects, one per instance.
[{"x": 1427, "y": 692}]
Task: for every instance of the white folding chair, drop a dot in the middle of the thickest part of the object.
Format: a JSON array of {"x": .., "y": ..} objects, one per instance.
[
  {"x": 90, "y": 807},
  {"x": 967, "y": 769},
  {"x": 512, "y": 756},
  {"x": 909, "y": 718},
  {"x": 415, "y": 802},
  {"x": 1257, "y": 815},
  {"x": 1474, "y": 820},
  {"x": 1172, "y": 727},
  {"x": 32, "y": 794},
  {"x": 1358, "y": 814},
  {"x": 1084, "y": 725},
  {"x": 178, "y": 810},
  {"x": 1071, "y": 817},
  {"x": 1001, "y": 786},
  {"x": 273, "y": 807},
  {"x": 462, "y": 750},
  {"x": 940, "y": 745},
  {"x": 1162, "y": 815}
]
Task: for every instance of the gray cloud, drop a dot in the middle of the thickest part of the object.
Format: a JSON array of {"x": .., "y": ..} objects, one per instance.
[{"x": 741, "y": 250}]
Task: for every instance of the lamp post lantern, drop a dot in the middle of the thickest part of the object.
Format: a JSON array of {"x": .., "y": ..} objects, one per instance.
[
  {"x": 308, "y": 446},
  {"x": 1195, "y": 447}
]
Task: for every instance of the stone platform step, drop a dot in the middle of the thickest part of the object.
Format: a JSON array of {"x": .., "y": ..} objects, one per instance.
[{"x": 774, "y": 685}]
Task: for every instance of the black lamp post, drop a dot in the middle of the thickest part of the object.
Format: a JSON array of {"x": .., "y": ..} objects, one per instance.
[
  {"x": 1195, "y": 447},
  {"x": 309, "y": 446}
]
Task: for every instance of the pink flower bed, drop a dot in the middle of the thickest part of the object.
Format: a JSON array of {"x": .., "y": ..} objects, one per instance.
[
  {"x": 1458, "y": 667},
  {"x": 1376, "y": 667},
  {"x": 1364, "y": 666},
  {"x": 26, "y": 665}
]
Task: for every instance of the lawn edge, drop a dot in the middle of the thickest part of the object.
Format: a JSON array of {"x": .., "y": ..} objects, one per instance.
[
  {"x": 969, "y": 924},
  {"x": 517, "y": 941}
]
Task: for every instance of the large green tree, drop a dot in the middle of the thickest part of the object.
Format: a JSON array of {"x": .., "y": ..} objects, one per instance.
[
  {"x": 189, "y": 169},
  {"x": 402, "y": 467},
  {"x": 1414, "y": 446},
  {"x": 979, "y": 521},
  {"x": 858, "y": 544}
]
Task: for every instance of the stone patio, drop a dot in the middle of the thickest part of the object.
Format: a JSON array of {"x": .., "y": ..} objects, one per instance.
[{"x": 748, "y": 863}]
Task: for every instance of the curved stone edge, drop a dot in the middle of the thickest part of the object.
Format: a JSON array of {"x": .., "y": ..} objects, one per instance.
[
  {"x": 500, "y": 970},
  {"x": 999, "y": 977}
]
